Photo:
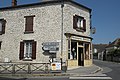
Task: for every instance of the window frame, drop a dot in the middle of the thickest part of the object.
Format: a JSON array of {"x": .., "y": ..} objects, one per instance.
[
  {"x": 87, "y": 51},
  {"x": 28, "y": 50},
  {"x": 82, "y": 27},
  {"x": 72, "y": 55},
  {"x": 23, "y": 50},
  {"x": 29, "y": 23}
]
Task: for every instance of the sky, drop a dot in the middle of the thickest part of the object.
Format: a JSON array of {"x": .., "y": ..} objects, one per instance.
[{"x": 105, "y": 17}]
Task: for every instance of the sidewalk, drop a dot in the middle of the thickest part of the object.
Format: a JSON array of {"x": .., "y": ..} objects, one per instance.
[{"x": 84, "y": 70}]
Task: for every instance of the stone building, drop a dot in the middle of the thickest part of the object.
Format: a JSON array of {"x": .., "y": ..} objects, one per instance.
[
  {"x": 34, "y": 32},
  {"x": 99, "y": 50},
  {"x": 113, "y": 51}
]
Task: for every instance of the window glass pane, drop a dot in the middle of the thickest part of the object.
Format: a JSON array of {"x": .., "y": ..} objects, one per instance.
[
  {"x": 27, "y": 47},
  {"x": 28, "y": 50},
  {"x": 68, "y": 55},
  {"x": 69, "y": 51},
  {"x": 73, "y": 54},
  {"x": 0, "y": 26},
  {"x": 86, "y": 51},
  {"x": 81, "y": 23},
  {"x": 80, "y": 43}
]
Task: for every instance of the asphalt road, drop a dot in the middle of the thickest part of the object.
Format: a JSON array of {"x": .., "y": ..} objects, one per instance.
[
  {"x": 57, "y": 78},
  {"x": 111, "y": 69}
]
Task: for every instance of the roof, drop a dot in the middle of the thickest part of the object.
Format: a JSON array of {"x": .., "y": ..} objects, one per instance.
[
  {"x": 100, "y": 47},
  {"x": 46, "y": 2},
  {"x": 114, "y": 43}
]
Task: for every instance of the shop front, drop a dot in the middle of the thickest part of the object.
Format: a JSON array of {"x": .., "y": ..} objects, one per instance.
[{"x": 79, "y": 50}]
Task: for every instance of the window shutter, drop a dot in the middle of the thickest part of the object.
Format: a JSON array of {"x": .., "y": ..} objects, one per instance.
[
  {"x": 21, "y": 55},
  {"x": 29, "y": 24},
  {"x": 84, "y": 24},
  {"x": 75, "y": 19},
  {"x": 3, "y": 28},
  {"x": 34, "y": 50}
]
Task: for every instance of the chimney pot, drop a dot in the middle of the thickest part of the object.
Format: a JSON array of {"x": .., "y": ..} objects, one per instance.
[{"x": 14, "y": 2}]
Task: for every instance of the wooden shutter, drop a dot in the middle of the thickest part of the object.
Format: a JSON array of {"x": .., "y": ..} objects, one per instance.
[
  {"x": 75, "y": 19},
  {"x": 3, "y": 27},
  {"x": 21, "y": 55},
  {"x": 84, "y": 24},
  {"x": 29, "y": 24},
  {"x": 0, "y": 44},
  {"x": 34, "y": 50}
]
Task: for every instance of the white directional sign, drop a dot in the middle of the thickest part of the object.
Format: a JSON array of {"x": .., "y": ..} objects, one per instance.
[{"x": 50, "y": 46}]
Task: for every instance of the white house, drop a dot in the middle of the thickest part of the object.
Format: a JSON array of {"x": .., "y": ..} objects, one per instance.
[{"x": 61, "y": 27}]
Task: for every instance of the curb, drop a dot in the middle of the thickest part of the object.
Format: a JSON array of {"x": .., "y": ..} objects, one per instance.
[
  {"x": 96, "y": 71},
  {"x": 33, "y": 75}
]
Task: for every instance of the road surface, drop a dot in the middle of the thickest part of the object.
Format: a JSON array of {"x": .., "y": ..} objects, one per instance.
[{"x": 111, "y": 69}]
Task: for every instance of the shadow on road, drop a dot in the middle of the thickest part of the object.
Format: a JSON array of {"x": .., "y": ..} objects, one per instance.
[{"x": 5, "y": 78}]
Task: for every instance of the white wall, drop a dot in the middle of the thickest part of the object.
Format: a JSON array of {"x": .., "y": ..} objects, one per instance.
[{"x": 47, "y": 28}]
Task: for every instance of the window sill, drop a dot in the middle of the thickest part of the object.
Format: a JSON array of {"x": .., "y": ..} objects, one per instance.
[
  {"x": 80, "y": 29},
  {"x": 72, "y": 59},
  {"x": 28, "y": 32},
  {"x": 27, "y": 59}
]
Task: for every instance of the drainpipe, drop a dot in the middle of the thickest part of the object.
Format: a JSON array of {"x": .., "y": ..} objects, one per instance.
[
  {"x": 62, "y": 5},
  {"x": 14, "y": 3}
]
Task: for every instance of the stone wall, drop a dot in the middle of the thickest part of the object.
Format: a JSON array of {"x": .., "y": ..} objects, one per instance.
[{"x": 47, "y": 28}]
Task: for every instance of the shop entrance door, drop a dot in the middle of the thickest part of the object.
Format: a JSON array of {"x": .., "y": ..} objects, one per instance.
[{"x": 80, "y": 56}]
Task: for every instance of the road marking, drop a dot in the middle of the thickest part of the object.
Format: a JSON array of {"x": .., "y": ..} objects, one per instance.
[
  {"x": 91, "y": 78},
  {"x": 94, "y": 75}
]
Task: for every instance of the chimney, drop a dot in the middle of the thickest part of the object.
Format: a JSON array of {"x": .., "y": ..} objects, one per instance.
[{"x": 14, "y": 3}]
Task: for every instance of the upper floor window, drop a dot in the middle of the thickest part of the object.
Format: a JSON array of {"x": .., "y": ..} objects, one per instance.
[
  {"x": 29, "y": 24},
  {"x": 79, "y": 23},
  {"x": 2, "y": 26}
]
